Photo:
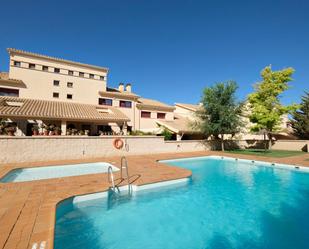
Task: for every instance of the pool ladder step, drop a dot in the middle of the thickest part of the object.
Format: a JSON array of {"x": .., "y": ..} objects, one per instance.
[{"x": 123, "y": 170}]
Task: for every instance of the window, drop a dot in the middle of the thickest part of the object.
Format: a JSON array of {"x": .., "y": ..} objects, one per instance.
[
  {"x": 17, "y": 63},
  {"x": 69, "y": 96},
  {"x": 56, "y": 82},
  {"x": 145, "y": 114},
  {"x": 160, "y": 115},
  {"x": 102, "y": 77},
  {"x": 125, "y": 104},
  {"x": 57, "y": 70},
  {"x": 81, "y": 74},
  {"x": 91, "y": 76},
  {"x": 31, "y": 66},
  {"x": 55, "y": 95},
  {"x": 9, "y": 92},
  {"x": 70, "y": 84},
  {"x": 45, "y": 68},
  {"x": 105, "y": 101},
  {"x": 70, "y": 72}
]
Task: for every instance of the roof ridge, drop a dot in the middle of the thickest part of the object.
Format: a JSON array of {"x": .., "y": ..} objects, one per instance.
[
  {"x": 185, "y": 104},
  {"x": 14, "y": 50},
  {"x": 154, "y": 100}
]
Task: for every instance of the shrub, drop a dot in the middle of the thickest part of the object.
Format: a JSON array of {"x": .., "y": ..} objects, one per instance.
[
  {"x": 167, "y": 134},
  {"x": 35, "y": 127},
  {"x": 140, "y": 133}
]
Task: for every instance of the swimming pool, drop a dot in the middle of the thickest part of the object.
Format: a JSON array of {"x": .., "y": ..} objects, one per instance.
[
  {"x": 48, "y": 172},
  {"x": 227, "y": 204}
]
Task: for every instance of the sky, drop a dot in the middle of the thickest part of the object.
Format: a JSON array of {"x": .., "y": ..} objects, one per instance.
[{"x": 168, "y": 50}]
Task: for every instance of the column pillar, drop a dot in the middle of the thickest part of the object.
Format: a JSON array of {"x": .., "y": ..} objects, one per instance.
[
  {"x": 178, "y": 137},
  {"x": 63, "y": 127},
  {"x": 125, "y": 128},
  {"x": 21, "y": 127},
  {"x": 94, "y": 129}
]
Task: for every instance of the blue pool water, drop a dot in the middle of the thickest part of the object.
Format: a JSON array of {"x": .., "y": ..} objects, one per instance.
[
  {"x": 227, "y": 204},
  {"x": 38, "y": 173}
]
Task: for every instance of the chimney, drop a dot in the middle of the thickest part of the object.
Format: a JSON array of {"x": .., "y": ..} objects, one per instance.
[
  {"x": 128, "y": 87},
  {"x": 121, "y": 87}
]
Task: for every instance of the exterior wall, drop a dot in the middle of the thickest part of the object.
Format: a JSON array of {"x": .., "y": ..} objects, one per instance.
[
  {"x": 296, "y": 145},
  {"x": 184, "y": 112},
  {"x": 34, "y": 149},
  {"x": 150, "y": 124},
  {"x": 134, "y": 114},
  {"x": 39, "y": 84},
  {"x": 129, "y": 112}
]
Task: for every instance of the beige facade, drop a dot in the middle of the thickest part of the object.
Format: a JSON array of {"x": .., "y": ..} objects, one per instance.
[
  {"x": 143, "y": 113},
  {"x": 34, "y": 77},
  {"x": 186, "y": 110},
  {"x": 38, "y": 77},
  {"x": 183, "y": 123},
  {"x": 42, "y": 79}
]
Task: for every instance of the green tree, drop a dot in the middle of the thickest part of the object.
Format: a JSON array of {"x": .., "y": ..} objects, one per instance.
[
  {"x": 266, "y": 108},
  {"x": 167, "y": 134},
  {"x": 220, "y": 113},
  {"x": 300, "y": 118}
]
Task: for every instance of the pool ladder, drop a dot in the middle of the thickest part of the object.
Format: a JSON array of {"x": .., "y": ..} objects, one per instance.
[
  {"x": 123, "y": 169},
  {"x": 110, "y": 177}
]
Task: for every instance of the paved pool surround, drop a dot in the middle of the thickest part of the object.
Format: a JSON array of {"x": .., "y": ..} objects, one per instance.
[{"x": 27, "y": 209}]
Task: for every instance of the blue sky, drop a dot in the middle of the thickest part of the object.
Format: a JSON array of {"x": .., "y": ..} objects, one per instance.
[{"x": 168, "y": 50}]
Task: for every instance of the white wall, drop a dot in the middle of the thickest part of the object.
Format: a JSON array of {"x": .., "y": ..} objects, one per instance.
[{"x": 33, "y": 149}]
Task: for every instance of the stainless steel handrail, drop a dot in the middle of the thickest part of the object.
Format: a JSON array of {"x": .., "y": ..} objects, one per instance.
[
  {"x": 124, "y": 165},
  {"x": 110, "y": 176}
]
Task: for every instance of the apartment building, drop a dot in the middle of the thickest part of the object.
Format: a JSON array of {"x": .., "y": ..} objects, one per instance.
[
  {"x": 51, "y": 78},
  {"x": 40, "y": 89}
]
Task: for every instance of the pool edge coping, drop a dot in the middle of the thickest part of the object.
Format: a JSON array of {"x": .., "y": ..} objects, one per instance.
[{"x": 292, "y": 167}]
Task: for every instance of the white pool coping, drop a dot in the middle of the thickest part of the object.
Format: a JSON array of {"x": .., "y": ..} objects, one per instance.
[
  {"x": 259, "y": 163},
  {"x": 79, "y": 171},
  {"x": 135, "y": 189}
]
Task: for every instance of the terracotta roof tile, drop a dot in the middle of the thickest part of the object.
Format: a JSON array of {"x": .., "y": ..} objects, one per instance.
[
  {"x": 31, "y": 108},
  {"x": 4, "y": 77},
  {"x": 113, "y": 92},
  {"x": 153, "y": 105},
  {"x": 190, "y": 107}
]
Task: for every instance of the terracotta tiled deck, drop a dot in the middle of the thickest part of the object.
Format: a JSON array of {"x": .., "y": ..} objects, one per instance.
[{"x": 27, "y": 209}]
